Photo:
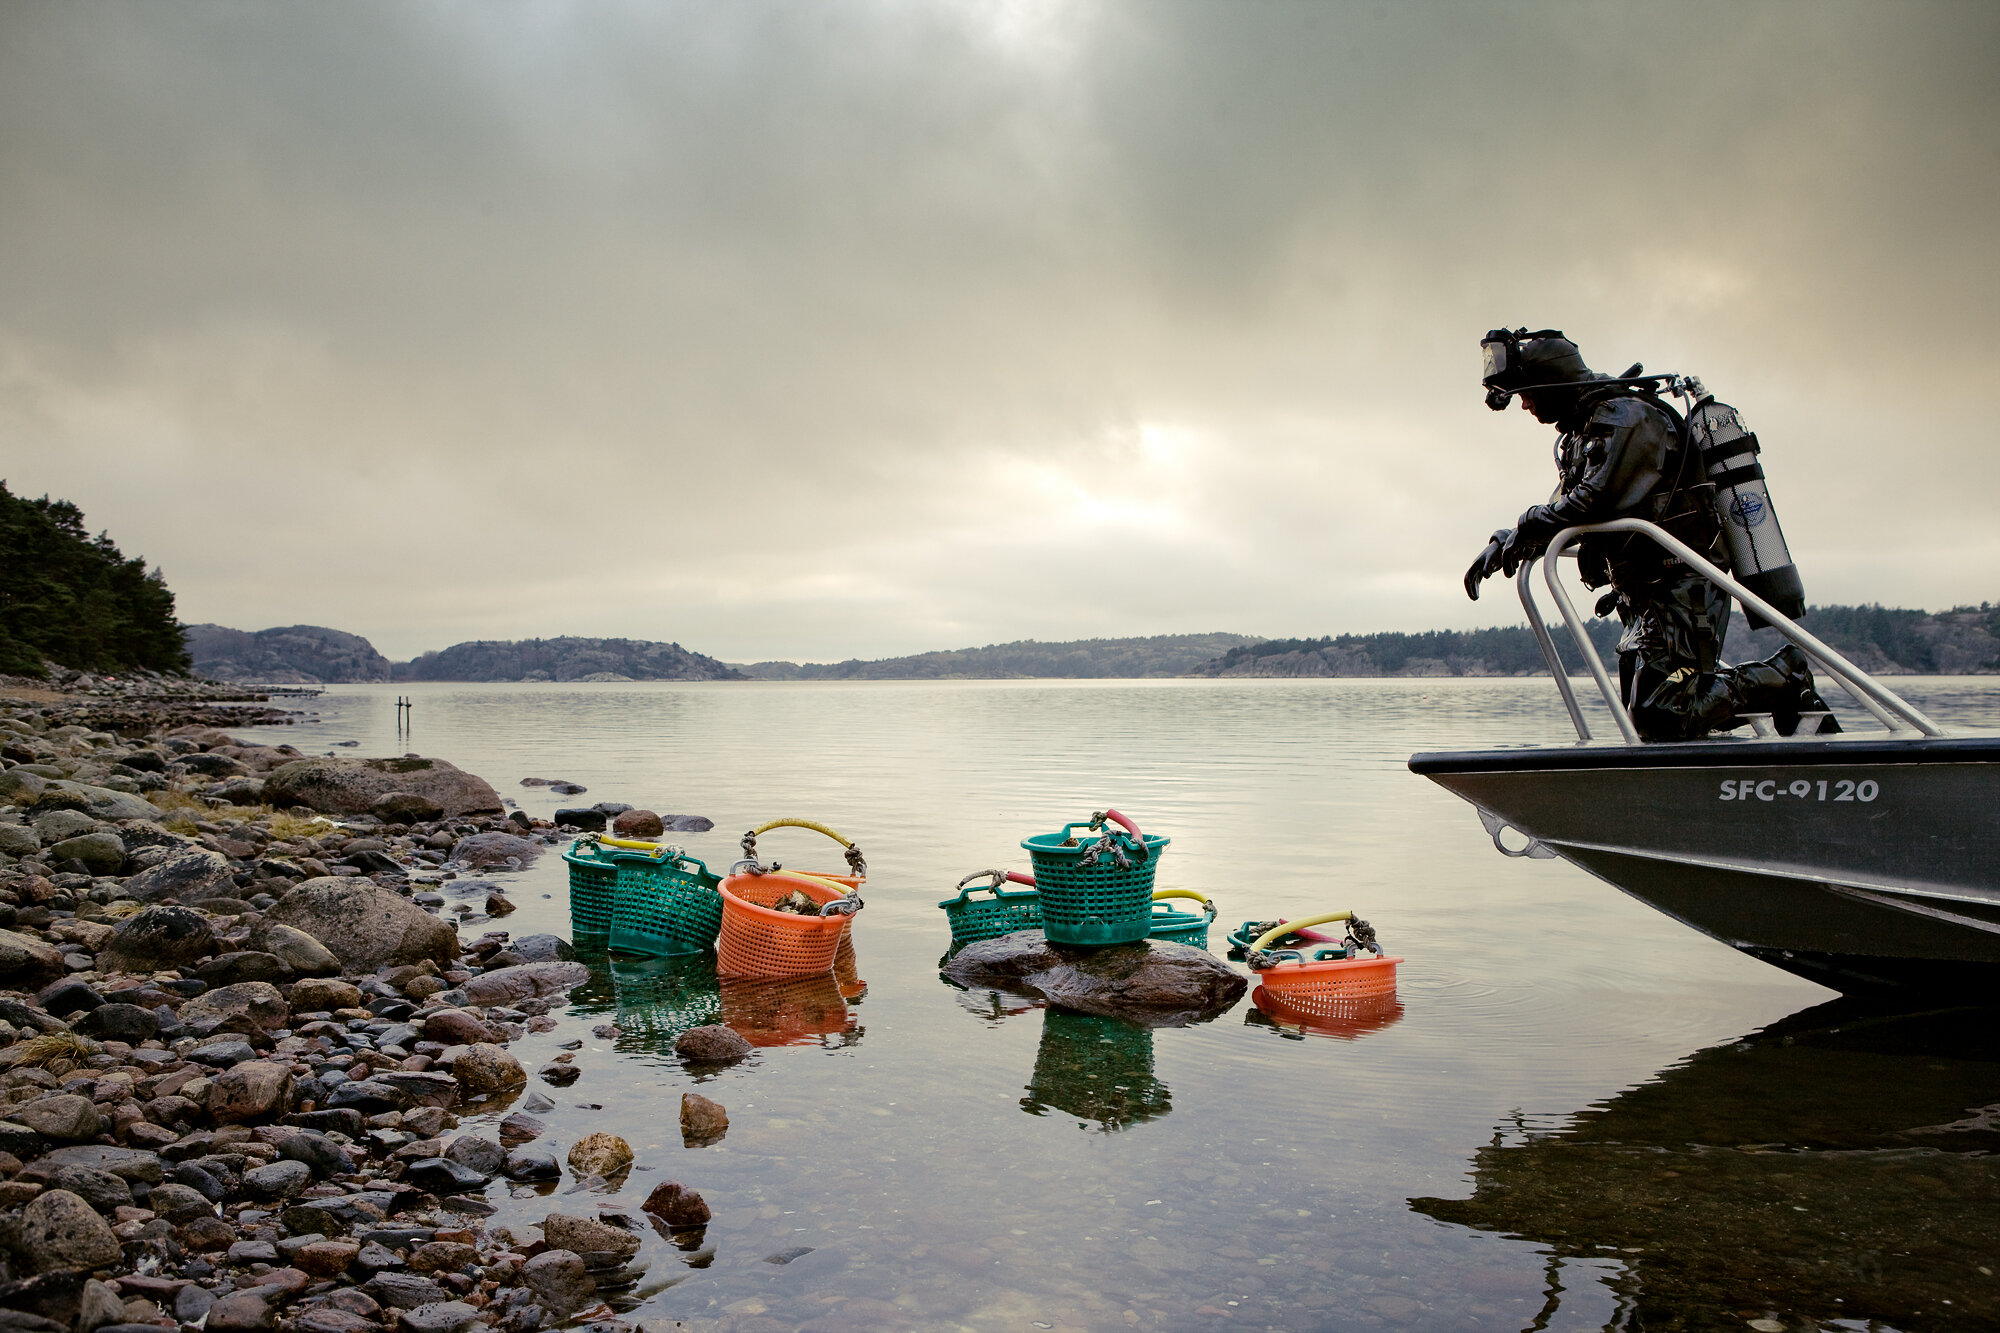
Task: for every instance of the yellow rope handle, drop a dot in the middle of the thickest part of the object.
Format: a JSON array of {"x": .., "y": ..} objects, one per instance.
[
  {"x": 1158, "y": 894},
  {"x": 802, "y": 823},
  {"x": 1285, "y": 928},
  {"x": 627, "y": 842}
]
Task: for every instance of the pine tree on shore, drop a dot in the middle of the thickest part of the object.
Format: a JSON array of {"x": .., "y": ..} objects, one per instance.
[{"x": 76, "y": 600}]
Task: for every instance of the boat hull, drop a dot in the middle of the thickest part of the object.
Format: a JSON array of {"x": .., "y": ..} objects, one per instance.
[{"x": 1859, "y": 864}]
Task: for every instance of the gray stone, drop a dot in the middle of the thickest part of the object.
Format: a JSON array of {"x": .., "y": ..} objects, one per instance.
[
  {"x": 591, "y": 821},
  {"x": 60, "y": 1230},
  {"x": 193, "y": 1303},
  {"x": 295, "y": 948},
  {"x": 100, "y": 1189},
  {"x": 486, "y": 1068},
  {"x": 438, "y": 1317},
  {"x": 100, "y": 1305},
  {"x": 352, "y": 786},
  {"x": 57, "y": 825},
  {"x": 529, "y": 981},
  {"x": 258, "y": 1001},
  {"x": 242, "y": 1312},
  {"x": 440, "y": 1176},
  {"x": 279, "y": 1180},
  {"x": 532, "y": 1161},
  {"x": 189, "y": 875},
  {"x": 559, "y": 1280},
  {"x": 712, "y": 1043},
  {"x": 177, "y": 1203},
  {"x": 127, "y": 1163},
  {"x": 364, "y": 926},
  {"x": 403, "y": 1291},
  {"x": 21, "y": 788},
  {"x": 223, "y": 1053},
  {"x": 1150, "y": 983},
  {"x": 487, "y": 851},
  {"x": 403, "y": 807},
  {"x": 118, "y": 1022},
  {"x": 159, "y": 939},
  {"x": 16, "y": 840},
  {"x": 26, "y": 962},
  {"x": 587, "y": 1235},
  {"x": 242, "y": 965},
  {"x": 321, "y": 1155},
  {"x": 483, "y": 1156},
  {"x": 103, "y": 803},
  {"x": 64, "y": 1116},
  {"x": 101, "y": 853}
]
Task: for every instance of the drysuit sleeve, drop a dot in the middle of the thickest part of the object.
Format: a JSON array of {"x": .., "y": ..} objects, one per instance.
[{"x": 1627, "y": 447}]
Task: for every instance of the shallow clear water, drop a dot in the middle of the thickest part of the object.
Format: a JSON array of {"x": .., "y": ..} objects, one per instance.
[{"x": 949, "y": 1157}]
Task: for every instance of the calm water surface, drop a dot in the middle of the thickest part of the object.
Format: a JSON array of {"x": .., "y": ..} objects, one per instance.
[{"x": 1571, "y": 1123}]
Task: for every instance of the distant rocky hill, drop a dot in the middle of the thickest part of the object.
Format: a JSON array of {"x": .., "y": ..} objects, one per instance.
[
  {"x": 569, "y": 659},
  {"x": 1963, "y": 641},
  {"x": 1160, "y": 655},
  {"x": 293, "y": 655}
]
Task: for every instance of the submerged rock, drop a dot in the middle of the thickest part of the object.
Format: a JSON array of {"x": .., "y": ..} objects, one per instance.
[{"x": 1149, "y": 983}]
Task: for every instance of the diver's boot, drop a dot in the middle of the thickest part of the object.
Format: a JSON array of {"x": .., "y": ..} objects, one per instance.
[
  {"x": 1782, "y": 685},
  {"x": 1683, "y": 705}
]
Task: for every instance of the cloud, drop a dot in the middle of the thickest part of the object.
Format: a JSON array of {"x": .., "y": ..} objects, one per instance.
[{"x": 796, "y": 330}]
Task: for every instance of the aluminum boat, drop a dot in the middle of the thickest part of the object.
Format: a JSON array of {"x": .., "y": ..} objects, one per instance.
[{"x": 1860, "y": 861}]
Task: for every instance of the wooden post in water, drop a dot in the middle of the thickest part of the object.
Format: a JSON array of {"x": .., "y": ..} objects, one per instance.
[{"x": 404, "y": 723}]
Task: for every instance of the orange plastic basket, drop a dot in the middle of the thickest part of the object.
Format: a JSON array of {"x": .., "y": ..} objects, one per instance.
[
  {"x": 1323, "y": 984},
  {"x": 1303, "y": 980},
  {"x": 758, "y": 942},
  {"x": 1345, "y": 1017}
]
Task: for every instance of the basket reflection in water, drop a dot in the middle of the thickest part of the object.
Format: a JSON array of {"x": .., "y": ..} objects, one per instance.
[
  {"x": 655, "y": 1000},
  {"x": 1096, "y": 1069}
]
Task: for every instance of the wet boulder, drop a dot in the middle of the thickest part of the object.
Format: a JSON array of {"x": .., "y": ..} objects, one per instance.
[
  {"x": 1150, "y": 983},
  {"x": 300, "y": 952},
  {"x": 528, "y": 981},
  {"x": 26, "y": 962},
  {"x": 492, "y": 851},
  {"x": 58, "y": 1230},
  {"x": 405, "y": 807},
  {"x": 711, "y": 1044},
  {"x": 364, "y": 926},
  {"x": 258, "y": 1001},
  {"x": 159, "y": 939},
  {"x": 352, "y": 786},
  {"x": 100, "y": 853},
  {"x": 187, "y": 875}
]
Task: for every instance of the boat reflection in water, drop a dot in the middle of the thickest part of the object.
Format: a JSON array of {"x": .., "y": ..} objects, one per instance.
[
  {"x": 1835, "y": 1168},
  {"x": 1099, "y": 1070},
  {"x": 1342, "y": 1018}
]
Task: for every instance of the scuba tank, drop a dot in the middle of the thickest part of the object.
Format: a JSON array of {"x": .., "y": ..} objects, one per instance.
[{"x": 1750, "y": 531}]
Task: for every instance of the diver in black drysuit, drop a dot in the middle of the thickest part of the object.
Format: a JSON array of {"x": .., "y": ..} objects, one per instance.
[{"x": 1620, "y": 455}]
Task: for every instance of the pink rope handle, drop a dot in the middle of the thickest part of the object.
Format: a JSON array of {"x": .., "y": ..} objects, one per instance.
[{"x": 1129, "y": 826}]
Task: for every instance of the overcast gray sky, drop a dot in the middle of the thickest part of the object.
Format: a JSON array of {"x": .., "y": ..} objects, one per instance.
[{"x": 818, "y": 330}]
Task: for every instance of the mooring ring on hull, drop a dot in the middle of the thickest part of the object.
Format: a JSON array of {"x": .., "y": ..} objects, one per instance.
[{"x": 1495, "y": 826}]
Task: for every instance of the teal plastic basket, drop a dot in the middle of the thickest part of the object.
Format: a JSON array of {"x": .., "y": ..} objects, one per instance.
[
  {"x": 1173, "y": 926},
  {"x": 593, "y": 881},
  {"x": 988, "y": 911},
  {"x": 1088, "y": 897},
  {"x": 666, "y": 903}
]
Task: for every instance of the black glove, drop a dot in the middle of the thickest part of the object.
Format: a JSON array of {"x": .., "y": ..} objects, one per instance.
[
  {"x": 1607, "y": 604},
  {"x": 1488, "y": 564}
]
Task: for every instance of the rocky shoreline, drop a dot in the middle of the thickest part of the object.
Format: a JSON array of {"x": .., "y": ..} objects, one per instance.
[{"x": 236, "y": 1037}]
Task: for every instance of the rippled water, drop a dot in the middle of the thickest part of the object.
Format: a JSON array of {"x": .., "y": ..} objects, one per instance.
[{"x": 957, "y": 1161}]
